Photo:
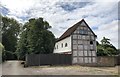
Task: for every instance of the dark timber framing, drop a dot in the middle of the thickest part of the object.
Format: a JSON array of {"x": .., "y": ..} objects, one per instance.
[
  {"x": 83, "y": 43},
  {"x": 83, "y": 40}
]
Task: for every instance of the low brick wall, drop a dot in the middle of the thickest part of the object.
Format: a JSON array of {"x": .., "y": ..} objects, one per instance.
[
  {"x": 106, "y": 61},
  {"x": 118, "y": 59}
]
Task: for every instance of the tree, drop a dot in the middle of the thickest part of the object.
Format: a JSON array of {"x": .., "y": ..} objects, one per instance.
[
  {"x": 118, "y": 51},
  {"x": 105, "y": 41},
  {"x": 10, "y": 32},
  {"x": 106, "y": 48},
  {"x": 35, "y": 38},
  {"x": 100, "y": 50},
  {"x": 22, "y": 45}
]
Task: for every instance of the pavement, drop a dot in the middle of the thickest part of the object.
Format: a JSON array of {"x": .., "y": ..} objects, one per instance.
[{"x": 16, "y": 68}]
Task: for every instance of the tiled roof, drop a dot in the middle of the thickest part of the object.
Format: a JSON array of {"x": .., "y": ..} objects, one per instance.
[{"x": 70, "y": 30}]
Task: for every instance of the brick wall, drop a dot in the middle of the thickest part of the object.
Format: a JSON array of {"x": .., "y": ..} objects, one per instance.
[{"x": 106, "y": 61}]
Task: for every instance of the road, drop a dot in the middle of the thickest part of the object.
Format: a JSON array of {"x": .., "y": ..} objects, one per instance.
[{"x": 15, "y": 68}]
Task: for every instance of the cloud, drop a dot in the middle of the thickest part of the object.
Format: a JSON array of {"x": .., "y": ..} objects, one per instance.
[
  {"x": 109, "y": 30},
  {"x": 101, "y": 16},
  {"x": 67, "y": 6}
]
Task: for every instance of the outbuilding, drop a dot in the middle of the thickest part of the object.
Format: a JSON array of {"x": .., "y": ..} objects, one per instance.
[{"x": 80, "y": 41}]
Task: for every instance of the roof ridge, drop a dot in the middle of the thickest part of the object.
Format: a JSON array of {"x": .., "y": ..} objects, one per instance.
[{"x": 70, "y": 30}]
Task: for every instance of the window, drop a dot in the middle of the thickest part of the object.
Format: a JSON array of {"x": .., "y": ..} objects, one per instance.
[
  {"x": 65, "y": 44},
  {"x": 91, "y": 42},
  {"x": 83, "y": 32},
  {"x": 62, "y": 45}
]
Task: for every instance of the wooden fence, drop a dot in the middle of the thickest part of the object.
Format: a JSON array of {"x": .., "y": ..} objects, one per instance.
[
  {"x": 66, "y": 59},
  {"x": 48, "y": 59}
]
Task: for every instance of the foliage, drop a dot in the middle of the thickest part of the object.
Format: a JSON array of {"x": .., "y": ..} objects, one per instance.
[
  {"x": 35, "y": 38},
  {"x": 106, "y": 48},
  {"x": 118, "y": 51},
  {"x": 10, "y": 31}
]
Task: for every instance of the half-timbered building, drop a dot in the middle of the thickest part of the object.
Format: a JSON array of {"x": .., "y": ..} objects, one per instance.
[{"x": 80, "y": 41}]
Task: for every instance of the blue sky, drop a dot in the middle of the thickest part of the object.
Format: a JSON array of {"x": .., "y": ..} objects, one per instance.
[{"x": 102, "y": 17}]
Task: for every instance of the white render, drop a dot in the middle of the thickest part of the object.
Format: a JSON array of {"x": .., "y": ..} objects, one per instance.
[{"x": 63, "y": 49}]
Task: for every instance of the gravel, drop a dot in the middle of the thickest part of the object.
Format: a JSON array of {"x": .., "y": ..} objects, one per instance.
[{"x": 16, "y": 68}]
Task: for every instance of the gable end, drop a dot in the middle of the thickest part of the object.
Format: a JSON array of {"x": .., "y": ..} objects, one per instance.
[{"x": 70, "y": 30}]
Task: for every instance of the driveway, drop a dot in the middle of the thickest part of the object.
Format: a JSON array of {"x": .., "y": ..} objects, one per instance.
[{"x": 15, "y": 68}]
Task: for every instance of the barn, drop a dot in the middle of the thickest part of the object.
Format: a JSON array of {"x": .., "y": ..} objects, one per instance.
[
  {"x": 79, "y": 41},
  {"x": 77, "y": 45}
]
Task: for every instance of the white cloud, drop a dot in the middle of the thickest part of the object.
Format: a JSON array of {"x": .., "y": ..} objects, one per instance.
[
  {"x": 101, "y": 14},
  {"x": 109, "y": 30}
]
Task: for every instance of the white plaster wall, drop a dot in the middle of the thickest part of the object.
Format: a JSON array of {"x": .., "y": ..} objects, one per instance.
[{"x": 63, "y": 49}]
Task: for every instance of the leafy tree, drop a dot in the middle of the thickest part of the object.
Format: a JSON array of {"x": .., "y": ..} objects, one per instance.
[
  {"x": 118, "y": 51},
  {"x": 100, "y": 50},
  {"x": 10, "y": 31},
  {"x": 35, "y": 38},
  {"x": 106, "y": 48},
  {"x": 105, "y": 41},
  {"x": 22, "y": 45}
]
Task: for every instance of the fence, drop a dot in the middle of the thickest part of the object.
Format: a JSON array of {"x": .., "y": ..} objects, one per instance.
[
  {"x": 66, "y": 59},
  {"x": 106, "y": 61},
  {"x": 118, "y": 59},
  {"x": 48, "y": 59}
]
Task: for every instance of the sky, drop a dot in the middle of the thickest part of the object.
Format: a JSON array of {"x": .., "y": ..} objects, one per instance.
[{"x": 101, "y": 16}]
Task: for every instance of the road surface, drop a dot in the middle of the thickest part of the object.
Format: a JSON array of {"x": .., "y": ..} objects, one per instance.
[{"x": 16, "y": 68}]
